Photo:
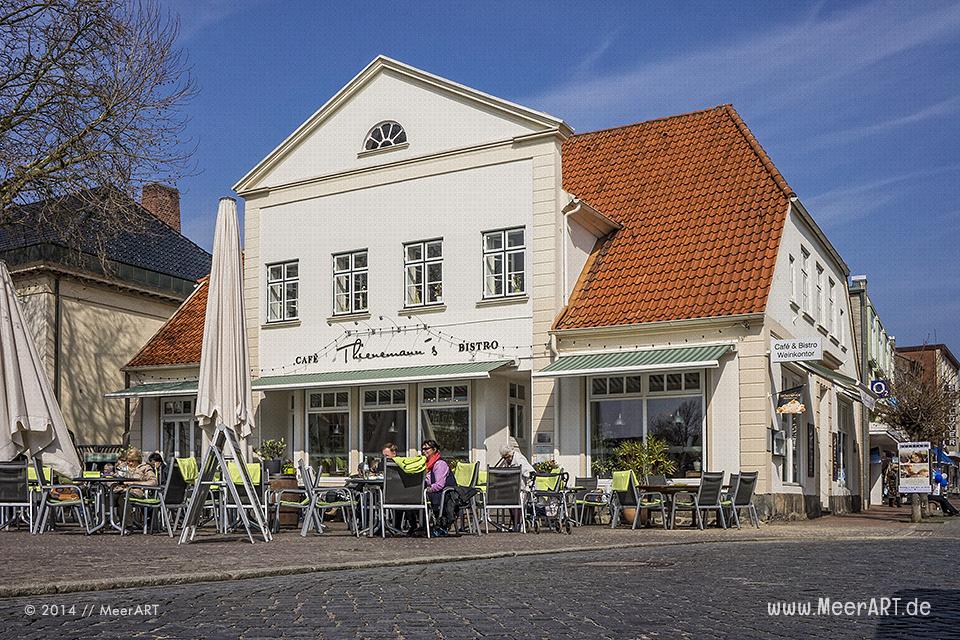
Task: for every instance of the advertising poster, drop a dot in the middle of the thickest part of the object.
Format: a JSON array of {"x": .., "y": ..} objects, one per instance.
[{"x": 914, "y": 467}]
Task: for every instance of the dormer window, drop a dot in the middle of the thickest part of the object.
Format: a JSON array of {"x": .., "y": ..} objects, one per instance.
[{"x": 386, "y": 134}]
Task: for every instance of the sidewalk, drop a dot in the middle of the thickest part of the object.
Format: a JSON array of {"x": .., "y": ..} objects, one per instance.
[{"x": 59, "y": 562}]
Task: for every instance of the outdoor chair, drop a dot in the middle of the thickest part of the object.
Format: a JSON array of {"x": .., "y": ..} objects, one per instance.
[
  {"x": 588, "y": 499},
  {"x": 314, "y": 501},
  {"x": 504, "y": 491},
  {"x": 467, "y": 475},
  {"x": 16, "y": 503},
  {"x": 161, "y": 499},
  {"x": 741, "y": 497},
  {"x": 403, "y": 492},
  {"x": 625, "y": 493},
  {"x": 259, "y": 480},
  {"x": 61, "y": 498},
  {"x": 707, "y": 498},
  {"x": 732, "y": 488}
]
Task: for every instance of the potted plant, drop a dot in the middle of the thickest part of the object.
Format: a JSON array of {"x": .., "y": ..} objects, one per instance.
[
  {"x": 288, "y": 469},
  {"x": 646, "y": 458},
  {"x": 271, "y": 452},
  {"x": 546, "y": 466}
]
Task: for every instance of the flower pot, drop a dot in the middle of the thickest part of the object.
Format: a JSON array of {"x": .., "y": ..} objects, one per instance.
[
  {"x": 628, "y": 514},
  {"x": 273, "y": 466}
]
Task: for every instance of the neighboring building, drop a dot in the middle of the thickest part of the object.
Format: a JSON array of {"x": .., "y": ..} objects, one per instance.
[
  {"x": 939, "y": 367},
  {"x": 91, "y": 307},
  {"x": 875, "y": 349},
  {"x": 425, "y": 260}
]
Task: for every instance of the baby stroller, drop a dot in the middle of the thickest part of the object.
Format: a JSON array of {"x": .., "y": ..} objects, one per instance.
[{"x": 548, "y": 507}]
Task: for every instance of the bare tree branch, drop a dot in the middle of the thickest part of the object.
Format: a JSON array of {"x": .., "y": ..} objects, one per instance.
[{"x": 91, "y": 95}]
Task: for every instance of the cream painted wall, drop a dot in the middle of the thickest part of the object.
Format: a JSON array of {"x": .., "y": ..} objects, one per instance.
[
  {"x": 435, "y": 121},
  {"x": 456, "y": 207}
]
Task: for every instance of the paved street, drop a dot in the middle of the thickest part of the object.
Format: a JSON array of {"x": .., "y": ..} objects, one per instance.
[{"x": 713, "y": 589}]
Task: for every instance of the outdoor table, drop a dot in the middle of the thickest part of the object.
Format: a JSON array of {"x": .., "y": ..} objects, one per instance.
[
  {"x": 103, "y": 485},
  {"x": 368, "y": 486}
]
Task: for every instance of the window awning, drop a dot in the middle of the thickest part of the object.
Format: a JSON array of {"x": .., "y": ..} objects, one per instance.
[
  {"x": 845, "y": 384},
  {"x": 424, "y": 373},
  {"x": 153, "y": 389},
  {"x": 696, "y": 357}
]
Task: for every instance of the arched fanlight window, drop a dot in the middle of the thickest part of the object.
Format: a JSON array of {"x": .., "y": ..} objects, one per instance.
[{"x": 385, "y": 134}]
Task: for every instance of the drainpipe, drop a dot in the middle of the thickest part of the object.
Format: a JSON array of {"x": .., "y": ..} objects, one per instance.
[
  {"x": 126, "y": 412},
  {"x": 865, "y": 421},
  {"x": 56, "y": 338}
]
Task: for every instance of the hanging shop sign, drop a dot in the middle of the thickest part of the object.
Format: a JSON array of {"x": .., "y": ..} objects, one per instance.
[
  {"x": 790, "y": 401},
  {"x": 914, "y": 467},
  {"x": 796, "y": 350},
  {"x": 880, "y": 388}
]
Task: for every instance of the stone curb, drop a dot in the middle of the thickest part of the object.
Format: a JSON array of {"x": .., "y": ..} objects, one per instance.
[{"x": 106, "y": 584}]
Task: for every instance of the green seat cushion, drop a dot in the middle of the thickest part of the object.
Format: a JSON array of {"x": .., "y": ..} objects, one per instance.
[
  {"x": 145, "y": 501},
  {"x": 55, "y": 502},
  {"x": 651, "y": 503},
  {"x": 591, "y": 503},
  {"x": 726, "y": 503},
  {"x": 291, "y": 503},
  {"x": 684, "y": 503}
]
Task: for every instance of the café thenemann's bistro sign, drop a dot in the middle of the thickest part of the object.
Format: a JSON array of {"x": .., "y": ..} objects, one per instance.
[{"x": 357, "y": 351}]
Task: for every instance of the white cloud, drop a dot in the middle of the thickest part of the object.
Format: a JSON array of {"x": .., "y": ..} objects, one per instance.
[
  {"x": 777, "y": 69},
  {"x": 946, "y": 107}
]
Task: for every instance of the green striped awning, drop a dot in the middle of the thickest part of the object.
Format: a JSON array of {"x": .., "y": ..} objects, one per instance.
[
  {"x": 845, "y": 384},
  {"x": 697, "y": 357},
  {"x": 459, "y": 371},
  {"x": 183, "y": 387}
]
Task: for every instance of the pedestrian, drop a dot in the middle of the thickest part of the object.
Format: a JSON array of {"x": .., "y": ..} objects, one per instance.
[
  {"x": 939, "y": 482},
  {"x": 892, "y": 481}
]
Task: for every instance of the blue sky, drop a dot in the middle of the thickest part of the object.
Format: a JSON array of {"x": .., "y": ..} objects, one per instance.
[{"x": 856, "y": 102}]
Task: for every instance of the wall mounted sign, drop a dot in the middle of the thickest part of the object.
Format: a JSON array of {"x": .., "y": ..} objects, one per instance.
[
  {"x": 880, "y": 388},
  {"x": 796, "y": 350},
  {"x": 355, "y": 351},
  {"x": 790, "y": 401},
  {"x": 914, "y": 467}
]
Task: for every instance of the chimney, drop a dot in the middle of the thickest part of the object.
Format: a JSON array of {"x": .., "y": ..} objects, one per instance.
[{"x": 163, "y": 202}]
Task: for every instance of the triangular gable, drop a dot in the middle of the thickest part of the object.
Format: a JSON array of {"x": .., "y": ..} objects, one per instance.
[{"x": 438, "y": 115}]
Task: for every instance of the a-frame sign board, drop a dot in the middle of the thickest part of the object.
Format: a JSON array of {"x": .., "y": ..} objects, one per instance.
[{"x": 223, "y": 447}]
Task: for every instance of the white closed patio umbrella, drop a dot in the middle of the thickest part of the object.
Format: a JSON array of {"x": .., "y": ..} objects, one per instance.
[
  {"x": 224, "y": 399},
  {"x": 32, "y": 422}
]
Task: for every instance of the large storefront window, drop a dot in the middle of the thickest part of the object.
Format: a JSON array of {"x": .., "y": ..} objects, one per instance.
[
  {"x": 384, "y": 420},
  {"x": 445, "y": 417},
  {"x": 786, "y": 442},
  {"x": 180, "y": 433},
  {"x": 328, "y": 431},
  {"x": 666, "y": 405}
]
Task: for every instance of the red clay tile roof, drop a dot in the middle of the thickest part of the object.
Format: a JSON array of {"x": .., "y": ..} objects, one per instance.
[
  {"x": 702, "y": 209},
  {"x": 178, "y": 340}
]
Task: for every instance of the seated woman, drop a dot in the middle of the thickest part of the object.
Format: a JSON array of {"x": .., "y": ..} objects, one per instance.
[
  {"x": 136, "y": 471},
  {"x": 437, "y": 478}
]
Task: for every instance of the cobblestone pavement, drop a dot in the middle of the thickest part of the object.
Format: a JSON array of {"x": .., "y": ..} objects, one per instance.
[
  {"x": 67, "y": 561},
  {"x": 680, "y": 591}
]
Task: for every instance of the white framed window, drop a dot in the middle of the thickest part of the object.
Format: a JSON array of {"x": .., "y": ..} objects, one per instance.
[
  {"x": 180, "y": 433},
  {"x": 631, "y": 407},
  {"x": 517, "y": 400},
  {"x": 819, "y": 314},
  {"x": 445, "y": 417},
  {"x": 841, "y": 327},
  {"x": 423, "y": 273},
  {"x": 841, "y": 441},
  {"x": 350, "y": 284},
  {"x": 805, "y": 279},
  {"x": 787, "y": 443},
  {"x": 793, "y": 278},
  {"x": 503, "y": 263},
  {"x": 328, "y": 431},
  {"x": 383, "y": 412},
  {"x": 384, "y": 134},
  {"x": 283, "y": 291},
  {"x": 831, "y": 305}
]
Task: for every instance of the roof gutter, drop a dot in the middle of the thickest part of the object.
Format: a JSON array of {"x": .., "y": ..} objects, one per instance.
[{"x": 653, "y": 327}]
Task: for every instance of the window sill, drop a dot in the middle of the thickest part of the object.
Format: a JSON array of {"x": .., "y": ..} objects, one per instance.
[
  {"x": 427, "y": 308},
  {"x": 495, "y": 302},
  {"x": 374, "y": 152},
  {"x": 834, "y": 341},
  {"x": 280, "y": 324},
  {"x": 822, "y": 329},
  {"x": 808, "y": 318},
  {"x": 349, "y": 317},
  {"x": 794, "y": 306}
]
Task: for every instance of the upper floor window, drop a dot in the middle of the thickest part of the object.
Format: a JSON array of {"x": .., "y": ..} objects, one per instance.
[
  {"x": 283, "y": 291},
  {"x": 350, "y": 282},
  {"x": 386, "y": 134},
  {"x": 819, "y": 294},
  {"x": 831, "y": 304},
  {"x": 423, "y": 273},
  {"x": 805, "y": 279},
  {"x": 503, "y": 265},
  {"x": 793, "y": 278}
]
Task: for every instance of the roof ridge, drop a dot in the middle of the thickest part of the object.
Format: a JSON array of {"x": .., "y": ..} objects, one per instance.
[
  {"x": 758, "y": 149},
  {"x": 201, "y": 283},
  {"x": 651, "y": 121}
]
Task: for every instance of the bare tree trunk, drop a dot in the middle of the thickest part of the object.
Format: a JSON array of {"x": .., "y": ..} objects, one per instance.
[{"x": 915, "y": 514}]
